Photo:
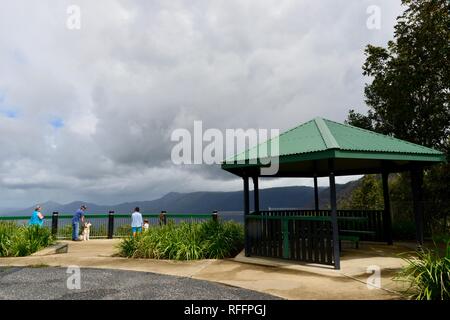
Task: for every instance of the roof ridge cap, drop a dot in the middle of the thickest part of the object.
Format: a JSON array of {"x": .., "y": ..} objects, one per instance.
[
  {"x": 325, "y": 133},
  {"x": 300, "y": 125},
  {"x": 267, "y": 141}
]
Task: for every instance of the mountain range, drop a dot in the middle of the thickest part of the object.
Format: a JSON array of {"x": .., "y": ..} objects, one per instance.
[{"x": 205, "y": 202}]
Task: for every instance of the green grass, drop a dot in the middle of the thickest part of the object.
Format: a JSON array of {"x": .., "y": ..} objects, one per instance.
[
  {"x": 186, "y": 241},
  {"x": 428, "y": 273},
  {"x": 19, "y": 241}
]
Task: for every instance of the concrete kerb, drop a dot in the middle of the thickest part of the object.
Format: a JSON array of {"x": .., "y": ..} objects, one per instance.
[{"x": 57, "y": 248}]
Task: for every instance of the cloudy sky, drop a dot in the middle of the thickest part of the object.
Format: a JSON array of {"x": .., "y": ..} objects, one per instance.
[{"x": 87, "y": 114}]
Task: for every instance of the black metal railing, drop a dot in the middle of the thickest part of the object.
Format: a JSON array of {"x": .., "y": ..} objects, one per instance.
[{"x": 109, "y": 225}]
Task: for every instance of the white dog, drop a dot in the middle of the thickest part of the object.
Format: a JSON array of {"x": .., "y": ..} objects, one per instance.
[{"x": 86, "y": 231}]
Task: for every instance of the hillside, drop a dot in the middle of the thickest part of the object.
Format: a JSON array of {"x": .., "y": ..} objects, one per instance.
[{"x": 205, "y": 202}]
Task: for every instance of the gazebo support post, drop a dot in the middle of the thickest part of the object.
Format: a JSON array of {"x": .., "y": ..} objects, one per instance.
[
  {"x": 334, "y": 223},
  {"x": 387, "y": 219},
  {"x": 246, "y": 212},
  {"x": 256, "y": 193},
  {"x": 316, "y": 188},
  {"x": 416, "y": 185},
  {"x": 316, "y": 194}
]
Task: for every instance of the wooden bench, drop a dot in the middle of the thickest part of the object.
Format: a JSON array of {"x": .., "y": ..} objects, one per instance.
[
  {"x": 354, "y": 239},
  {"x": 357, "y": 232},
  {"x": 352, "y": 235}
]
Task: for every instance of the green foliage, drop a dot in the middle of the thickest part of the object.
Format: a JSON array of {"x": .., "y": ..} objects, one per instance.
[
  {"x": 436, "y": 196},
  {"x": 20, "y": 241},
  {"x": 437, "y": 193},
  {"x": 359, "y": 120},
  {"x": 123, "y": 230},
  {"x": 409, "y": 96},
  {"x": 404, "y": 229},
  {"x": 222, "y": 239},
  {"x": 428, "y": 274},
  {"x": 7, "y": 230},
  {"x": 367, "y": 196},
  {"x": 410, "y": 91},
  {"x": 186, "y": 241}
]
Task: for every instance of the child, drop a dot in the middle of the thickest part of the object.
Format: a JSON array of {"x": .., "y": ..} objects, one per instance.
[{"x": 146, "y": 225}]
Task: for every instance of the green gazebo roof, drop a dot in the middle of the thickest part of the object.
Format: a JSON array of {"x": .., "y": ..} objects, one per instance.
[{"x": 306, "y": 149}]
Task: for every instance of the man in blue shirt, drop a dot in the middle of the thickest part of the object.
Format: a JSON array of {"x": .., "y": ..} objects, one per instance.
[{"x": 77, "y": 218}]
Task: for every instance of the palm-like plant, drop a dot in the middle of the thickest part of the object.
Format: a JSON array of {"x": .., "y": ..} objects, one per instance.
[{"x": 428, "y": 274}]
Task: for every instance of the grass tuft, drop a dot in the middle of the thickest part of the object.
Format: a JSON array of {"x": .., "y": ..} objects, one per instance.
[
  {"x": 19, "y": 241},
  {"x": 428, "y": 273},
  {"x": 186, "y": 241}
]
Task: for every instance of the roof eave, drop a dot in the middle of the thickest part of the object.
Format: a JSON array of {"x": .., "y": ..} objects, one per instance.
[{"x": 339, "y": 154}]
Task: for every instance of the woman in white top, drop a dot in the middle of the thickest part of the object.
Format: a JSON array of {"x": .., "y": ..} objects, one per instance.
[{"x": 136, "y": 221}]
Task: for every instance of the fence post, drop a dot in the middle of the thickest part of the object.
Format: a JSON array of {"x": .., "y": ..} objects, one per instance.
[
  {"x": 285, "y": 237},
  {"x": 162, "y": 218},
  {"x": 215, "y": 215},
  {"x": 55, "y": 223},
  {"x": 110, "y": 224}
]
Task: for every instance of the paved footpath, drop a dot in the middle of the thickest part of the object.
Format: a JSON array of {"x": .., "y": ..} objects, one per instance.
[{"x": 283, "y": 280}]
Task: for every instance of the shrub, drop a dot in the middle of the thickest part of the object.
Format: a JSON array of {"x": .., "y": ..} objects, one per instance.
[
  {"x": 186, "y": 241},
  {"x": 123, "y": 230},
  {"x": 223, "y": 240},
  {"x": 20, "y": 241},
  {"x": 7, "y": 230},
  {"x": 428, "y": 273}
]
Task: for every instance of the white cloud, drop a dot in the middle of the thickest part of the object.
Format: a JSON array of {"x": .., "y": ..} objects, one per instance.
[{"x": 136, "y": 70}]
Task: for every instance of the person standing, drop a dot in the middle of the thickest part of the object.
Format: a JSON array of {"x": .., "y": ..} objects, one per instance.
[
  {"x": 136, "y": 221},
  {"x": 37, "y": 218},
  {"x": 77, "y": 218}
]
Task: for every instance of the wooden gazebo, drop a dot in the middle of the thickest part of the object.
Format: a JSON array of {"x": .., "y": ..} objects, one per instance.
[{"x": 320, "y": 148}]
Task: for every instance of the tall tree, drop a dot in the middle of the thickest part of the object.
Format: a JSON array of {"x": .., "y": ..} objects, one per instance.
[
  {"x": 409, "y": 95},
  {"x": 410, "y": 92},
  {"x": 368, "y": 195}
]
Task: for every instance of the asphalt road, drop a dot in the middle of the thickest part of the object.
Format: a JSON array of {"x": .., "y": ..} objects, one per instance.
[{"x": 46, "y": 283}]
